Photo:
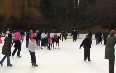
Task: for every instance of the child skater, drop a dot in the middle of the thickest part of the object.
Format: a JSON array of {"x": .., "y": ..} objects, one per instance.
[
  {"x": 6, "y": 49},
  {"x": 32, "y": 45},
  {"x": 86, "y": 43}
]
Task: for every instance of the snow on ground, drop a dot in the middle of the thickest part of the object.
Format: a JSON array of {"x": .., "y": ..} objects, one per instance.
[{"x": 67, "y": 59}]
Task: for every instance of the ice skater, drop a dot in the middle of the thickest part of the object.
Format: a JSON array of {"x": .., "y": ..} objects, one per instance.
[
  {"x": 32, "y": 45},
  {"x": 86, "y": 43},
  {"x": 6, "y": 49},
  {"x": 17, "y": 41}
]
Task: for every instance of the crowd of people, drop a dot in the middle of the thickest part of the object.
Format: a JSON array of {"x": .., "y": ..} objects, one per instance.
[{"x": 41, "y": 39}]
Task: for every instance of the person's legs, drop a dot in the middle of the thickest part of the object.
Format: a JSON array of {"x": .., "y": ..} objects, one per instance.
[
  {"x": 33, "y": 58},
  {"x": 14, "y": 51},
  {"x": 111, "y": 66},
  {"x": 8, "y": 61},
  {"x": 3, "y": 59},
  {"x": 88, "y": 54},
  {"x": 85, "y": 54}
]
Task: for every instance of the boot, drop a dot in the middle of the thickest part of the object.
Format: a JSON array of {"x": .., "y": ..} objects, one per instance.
[
  {"x": 34, "y": 65},
  {"x": 1, "y": 64},
  {"x": 9, "y": 65}
]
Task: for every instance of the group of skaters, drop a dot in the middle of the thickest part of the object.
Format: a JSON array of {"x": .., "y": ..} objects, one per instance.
[
  {"x": 109, "y": 42},
  {"x": 99, "y": 37},
  {"x": 39, "y": 39},
  {"x": 44, "y": 39}
]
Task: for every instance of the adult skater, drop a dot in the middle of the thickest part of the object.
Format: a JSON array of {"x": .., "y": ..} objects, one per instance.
[
  {"x": 105, "y": 35},
  {"x": 22, "y": 34},
  {"x": 17, "y": 41},
  {"x": 6, "y": 49},
  {"x": 27, "y": 39},
  {"x": 32, "y": 45},
  {"x": 110, "y": 50},
  {"x": 86, "y": 43},
  {"x": 64, "y": 35},
  {"x": 74, "y": 34},
  {"x": 96, "y": 37}
]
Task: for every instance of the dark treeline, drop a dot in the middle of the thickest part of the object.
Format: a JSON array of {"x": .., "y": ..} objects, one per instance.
[{"x": 62, "y": 14}]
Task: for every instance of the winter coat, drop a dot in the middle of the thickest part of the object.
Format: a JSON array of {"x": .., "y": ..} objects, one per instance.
[
  {"x": 74, "y": 33},
  {"x": 32, "y": 45},
  {"x": 86, "y": 43},
  {"x": 6, "y": 49},
  {"x": 109, "y": 49}
]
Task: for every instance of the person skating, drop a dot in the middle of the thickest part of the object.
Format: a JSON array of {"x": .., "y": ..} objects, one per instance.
[
  {"x": 86, "y": 43},
  {"x": 6, "y": 49},
  {"x": 110, "y": 50},
  {"x": 32, "y": 45},
  {"x": 96, "y": 37},
  {"x": 74, "y": 34},
  {"x": 27, "y": 39},
  {"x": 17, "y": 41},
  {"x": 105, "y": 35}
]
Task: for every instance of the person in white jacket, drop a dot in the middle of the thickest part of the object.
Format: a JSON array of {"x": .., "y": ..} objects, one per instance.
[{"x": 32, "y": 45}]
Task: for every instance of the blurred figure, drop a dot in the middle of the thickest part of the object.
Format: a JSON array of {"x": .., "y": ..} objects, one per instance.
[
  {"x": 86, "y": 43},
  {"x": 22, "y": 34},
  {"x": 105, "y": 35},
  {"x": 64, "y": 35},
  {"x": 96, "y": 37},
  {"x": 27, "y": 39},
  {"x": 0, "y": 38},
  {"x": 31, "y": 47},
  {"x": 74, "y": 34},
  {"x": 110, "y": 50},
  {"x": 17, "y": 41},
  {"x": 6, "y": 49}
]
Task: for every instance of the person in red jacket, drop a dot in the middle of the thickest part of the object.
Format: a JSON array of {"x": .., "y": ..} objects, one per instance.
[{"x": 0, "y": 39}]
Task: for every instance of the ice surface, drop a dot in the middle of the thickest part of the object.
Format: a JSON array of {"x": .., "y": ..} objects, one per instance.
[{"x": 67, "y": 59}]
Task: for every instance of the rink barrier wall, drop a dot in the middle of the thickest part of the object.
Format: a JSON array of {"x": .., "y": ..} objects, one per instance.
[{"x": 81, "y": 36}]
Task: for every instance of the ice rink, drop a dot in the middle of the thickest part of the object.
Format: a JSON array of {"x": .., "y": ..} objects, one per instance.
[{"x": 67, "y": 59}]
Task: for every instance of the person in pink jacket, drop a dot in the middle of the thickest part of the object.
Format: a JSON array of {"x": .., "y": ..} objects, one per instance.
[{"x": 17, "y": 41}]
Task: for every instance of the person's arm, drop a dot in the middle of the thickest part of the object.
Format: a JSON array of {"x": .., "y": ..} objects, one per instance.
[{"x": 82, "y": 44}]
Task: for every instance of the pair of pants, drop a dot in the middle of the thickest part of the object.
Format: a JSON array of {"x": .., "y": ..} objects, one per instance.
[
  {"x": 18, "y": 52},
  {"x": 74, "y": 38},
  {"x": 105, "y": 41},
  {"x": 86, "y": 53},
  {"x": 111, "y": 66},
  {"x": 17, "y": 47},
  {"x": 33, "y": 57},
  {"x": 8, "y": 59}
]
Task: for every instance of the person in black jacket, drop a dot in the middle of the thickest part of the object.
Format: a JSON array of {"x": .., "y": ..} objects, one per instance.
[
  {"x": 86, "y": 43},
  {"x": 74, "y": 34},
  {"x": 96, "y": 37},
  {"x": 27, "y": 39},
  {"x": 105, "y": 35},
  {"x": 6, "y": 49}
]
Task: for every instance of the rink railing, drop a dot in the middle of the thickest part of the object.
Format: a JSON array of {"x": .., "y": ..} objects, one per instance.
[{"x": 81, "y": 36}]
